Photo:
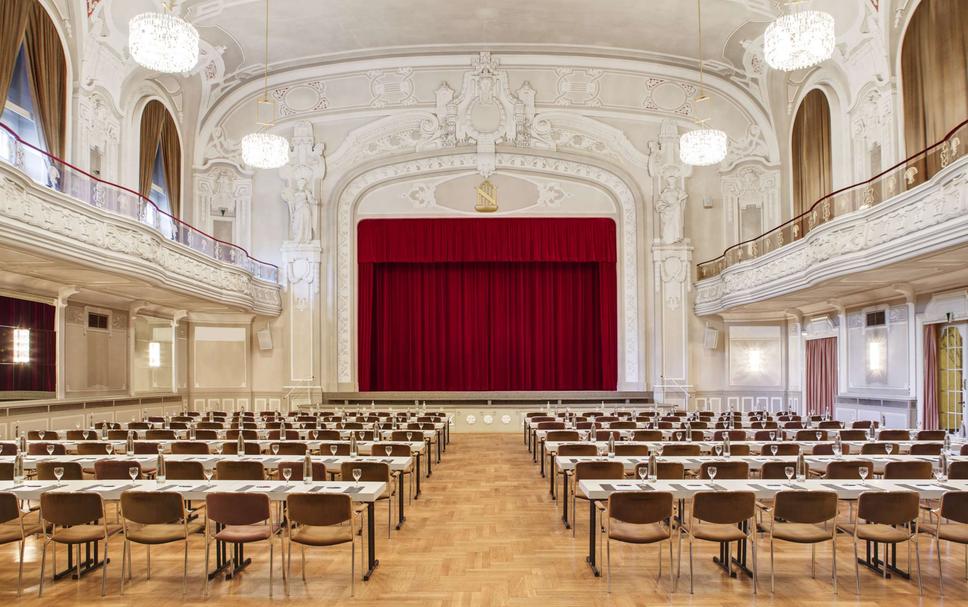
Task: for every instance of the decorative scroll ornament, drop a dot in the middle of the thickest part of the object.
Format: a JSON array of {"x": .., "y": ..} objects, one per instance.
[{"x": 486, "y": 197}]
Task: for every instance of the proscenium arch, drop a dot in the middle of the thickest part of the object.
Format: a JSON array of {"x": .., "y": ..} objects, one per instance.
[{"x": 612, "y": 181}]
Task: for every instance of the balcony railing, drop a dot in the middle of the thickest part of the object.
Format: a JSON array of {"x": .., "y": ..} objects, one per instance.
[
  {"x": 52, "y": 172},
  {"x": 901, "y": 177}
]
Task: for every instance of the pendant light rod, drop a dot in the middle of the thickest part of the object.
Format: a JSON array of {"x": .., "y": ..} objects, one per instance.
[{"x": 265, "y": 76}]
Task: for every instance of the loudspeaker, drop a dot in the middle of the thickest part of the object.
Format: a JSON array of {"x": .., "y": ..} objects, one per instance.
[
  {"x": 710, "y": 338},
  {"x": 265, "y": 339}
]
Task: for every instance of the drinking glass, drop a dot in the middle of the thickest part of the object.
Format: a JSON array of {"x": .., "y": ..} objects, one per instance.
[
  {"x": 41, "y": 434},
  {"x": 388, "y": 449},
  {"x": 161, "y": 448},
  {"x": 711, "y": 471},
  {"x": 773, "y": 450},
  {"x": 658, "y": 449},
  {"x": 219, "y": 449},
  {"x": 315, "y": 434},
  {"x": 789, "y": 471},
  {"x": 718, "y": 449},
  {"x": 58, "y": 472},
  {"x": 133, "y": 472},
  {"x": 275, "y": 449},
  {"x": 940, "y": 475},
  {"x": 819, "y": 436},
  {"x": 357, "y": 473},
  {"x": 678, "y": 435},
  {"x": 643, "y": 472},
  {"x": 837, "y": 449},
  {"x": 863, "y": 472},
  {"x": 409, "y": 436},
  {"x": 333, "y": 449},
  {"x": 50, "y": 449},
  {"x": 208, "y": 472},
  {"x": 287, "y": 474},
  {"x": 359, "y": 435},
  {"x": 772, "y": 436},
  {"x": 888, "y": 448}
]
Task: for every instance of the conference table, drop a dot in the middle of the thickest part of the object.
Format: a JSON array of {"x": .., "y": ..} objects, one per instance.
[
  {"x": 361, "y": 492},
  {"x": 681, "y": 490}
]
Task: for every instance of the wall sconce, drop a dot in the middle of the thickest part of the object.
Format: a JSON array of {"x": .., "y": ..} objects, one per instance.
[
  {"x": 876, "y": 356},
  {"x": 154, "y": 354},
  {"x": 754, "y": 361},
  {"x": 21, "y": 345}
]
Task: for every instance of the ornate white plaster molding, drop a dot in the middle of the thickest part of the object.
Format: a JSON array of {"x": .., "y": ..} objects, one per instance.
[
  {"x": 927, "y": 219},
  {"x": 354, "y": 190},
  {"x": 53, "y": 224}
]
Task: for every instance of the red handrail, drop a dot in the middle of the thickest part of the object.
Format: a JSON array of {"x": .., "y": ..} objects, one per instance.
[
  {"x": 834, "y": 193},
  {"x": 13, "y": 134}
]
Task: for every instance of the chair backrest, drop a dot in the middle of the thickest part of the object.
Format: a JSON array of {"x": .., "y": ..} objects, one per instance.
[
  {"x": 599, "y": 471},
  {"x": 793, "y": 425},
  {"x": 189, "y": 448},
  {"x": 878, "y": 448},
  {"x": 781, "y": 449},
  {"x": 670, "y": 471},
  {"x": 647, "y": 435},
  {"x": 206, "y": 434},
  {"x": 954, "y": 505},
  {"x": 41, "y": 449},
  {"x": 828, "y": 449},
  {"x": 115, "y": 469},
  {"x": 230, "y": 508},
  {"x": 184, "y": 471},
  {"x": 765, "y": 435},
  {"x": 139, "y": 426},
  {"x": 319, "y": 509},
  {"x": 296, "y": 470},
  {"x": 603, "y": 435},
  {"x": 88, "y": 448},
  {"x": 810, "y": 435},
  {"x": 246, "y": 434},
  {"x": 146, "y": 448},
  {"x": 775, "y": 470},
  {"x": 232, "y": 448},
  {"x": 364, "y": 435},
  {"x": 580, "y": 450},
  {"x": 848, "y": 470},
  {"x": 290, "y": 448},
  {"x": 371, "y": 471},
  {"x": 733, "y": 435},
  {"x": 724, "y": 507},
  {"x": 740, "y": 450},
  {"x": 891, "y": 435},
  {"x": 931, "y": 435},
  {"x": 853, "y": 435},
  {"x": 640, "y": 507},
  {"x": 341, "y": 448},
  {"x": 179, "y": 425},
  {"x": 863, "y": 423},
  {"x": 160, "y": 435},
  {"x": 48, "y": 435},
  {"x": 631, "y": 450},
  {"x": 335, "y": 435},
  {"x": 926, "y": 448},
  {"x": 909, "y": 470},
  {"x": 208, "y": 426},
  {"x": 117, "y": 434},
  {"x": 233, "y": 470},
  {"x": 72, "y": 471},
  {"x": 152, "y": 507},
  {"x": 290, "y": 435},
  {"x": 622, "y": 425},
  {"x": 958, "y": 470},
  {"x": 9, "y": 507},
  {"x": 74, "y": 508},
  {"x": 81, "y": 435},
  {"x": 725, "y": 470},
  {"x": 830, "y": 425},
  {"x": 562, "y": 435},
  {"x": 888, "y": 507},
  {"x": 680, "y": 450},
  {"x": 396, "y": 450},
  {"x": 811, "y": 507},
  {"x": 6, "y": 471}
]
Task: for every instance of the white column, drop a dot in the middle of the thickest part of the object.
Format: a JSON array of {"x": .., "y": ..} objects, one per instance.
[
  {"x": 301, "y": 265},
  {"x": 60, "y": 328},
  {"x": 673, "y": 263}
]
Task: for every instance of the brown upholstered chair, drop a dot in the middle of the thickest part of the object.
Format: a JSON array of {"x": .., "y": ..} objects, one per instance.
[
  {"x": 949, "y": 523},
  {"x": 893, "y": 435},
  {"x": 82, "y": 435},
  {"x": 848, "y": 469},
  {"x": 208, "y": 426},
  {"x": 631, "y": 450},
  {"x": 775, "y": 470},
  {"x": 578, "y": 450},
  {"x": 184, "y": 471},
  {"x": 236, "y": 470},
  {"x": 592, "y": 471},
  {"x": 296, "y": 470},
  {"x": 277, "y": 435},
  {"x": 206, "y": 434},
  {"x": 332, "y": 435},
  {"x": 739, "y": 449},
  {"x": 153, "y": 518},
  {"x": 863, "y": 423},
  {"x": 117, "y": 434},
  {"x": 246, "y": 434},
  {"x": 926, "y": 449},
  {"x": 936, "y": 435},
  {"x": 41, "y": 449},
  {"x": 781, "y": 449},
  {"x": 830, "y": 425},
  {"x": 734, "y": 435},
  {"x": 665, "y": 471},
  {"x": 146, "y": 448},
  {"x": 805, "y": 517},
  {"x": 681, "y": 450},
  {"x": 92, "y": 448},
  {"x": 6, "y": 473},
  {"x": 828, "y": 449},
  {"x": 341, "y": 448},
  {"x": 116, "y": 469},
  {"x": 878, "y": 448},
  {"x": 74, "y": 519},
  {"x": 647, "y": 435},
  {"x": 139, "y": 426},
  {"x": 72, "y": 471},
  {"x": 560, "y": 436},
  {"x": 766, "y": 435},
  {"x": 246, "y": 519},
  {"x": 320, "y": 520},
  {"x": 373, "y": 472},
  {"x": 364, "y": 435},
  {"x": 810, "y": 435},
  {"x": 640, "y": 517},
  {"x": 160, "y": 435},
  {"x": 958, "y": 471},
  {"x": 189, "y": 448},
  {"x": 716, "y": 516},
  {"x": 909, "y": 470},
  {"x": 888, "y": 517},
  {"x": 232, "y": 448},
  {"x": 286, "y": 448},
  {"x": 13, "y": 528},
  {"x": 726, "y": 469},
  {"x": 48, "y": 435}
]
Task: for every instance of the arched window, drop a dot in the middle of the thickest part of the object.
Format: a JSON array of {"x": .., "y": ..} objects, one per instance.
[
  {"x": 934, "y": 74},
  {"x": 33, "y": 75},
  {"x": 811, "y": 152},
  {"x": 160, "y": 158}
]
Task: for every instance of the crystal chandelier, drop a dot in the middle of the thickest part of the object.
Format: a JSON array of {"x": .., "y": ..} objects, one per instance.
[
  {"x": 264, "y": 150},
  {"x": 703, "y": 146},
  {"x": 799, "y": 40},
  {"x": 163, "y": 42}
]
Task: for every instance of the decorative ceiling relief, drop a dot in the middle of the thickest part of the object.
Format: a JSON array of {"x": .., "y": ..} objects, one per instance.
[
  {"x": 222, "y": 194},
  {"x": 669, "y": 96},
  {"x": 391, "y": 87},
  {"x": 751, "y": 201},
  {"x": 301, "y": 98},
  {"x": 579, "y": 87},
  {"x": 751, "y": 146},
  {"x": 221, "y": 148}
]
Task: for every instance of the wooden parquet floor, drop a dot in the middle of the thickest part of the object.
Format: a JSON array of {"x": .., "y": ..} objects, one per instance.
[{"x": 485, "y": 532}]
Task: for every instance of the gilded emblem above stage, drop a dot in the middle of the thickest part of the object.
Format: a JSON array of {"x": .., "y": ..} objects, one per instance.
[{"x": 486, "y": 197}]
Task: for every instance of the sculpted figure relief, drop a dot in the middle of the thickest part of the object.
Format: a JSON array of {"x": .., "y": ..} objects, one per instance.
[
  {"x": 301, "y": 211},
  {"x": 671, "y": 208}
]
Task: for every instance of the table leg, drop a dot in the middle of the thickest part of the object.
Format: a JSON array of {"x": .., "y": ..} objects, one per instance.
[
  {"x": 430, "y": 457},
  {"x": 592, "y": 535},
  {"x": 552, "y": 475},
  {"x": 542, "y": 459},
  {"x": 417, "y": 494},
  {"x": 564, "y": 498},
  {"x": 400, "y": 515},
  {"x": 89, "y": 564},
  {"x": 370, "y": 541}
]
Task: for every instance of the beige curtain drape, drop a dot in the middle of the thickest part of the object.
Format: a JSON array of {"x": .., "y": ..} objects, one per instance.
[
  {"x": 171, "y": 157},
  {"x": 47, "y": 69},
  {"x": 13, "y": 22},
  {"x": 934, "y": 74},
  {"x": 152, "y": 121},
  {"x": 811, "y": 152}
]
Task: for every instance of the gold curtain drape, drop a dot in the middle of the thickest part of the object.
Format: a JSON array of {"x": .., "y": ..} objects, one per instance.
[
  {"x": 934, "y": 74},
  {"x": 13, "y": 22},
  {"x": 47, "y": 69},
  {"x": 152, "y": 121},
  {"x": 171, "y": 157},
  {"x": 811, "y": 152}
]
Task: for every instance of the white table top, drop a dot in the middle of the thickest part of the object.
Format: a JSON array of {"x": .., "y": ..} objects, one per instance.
[
  {"x": 209, "y": 461},
  {"x": 755, "y": 446},
  {"x": 600, "y": 490},
  {"x": 818, "y": 463}
]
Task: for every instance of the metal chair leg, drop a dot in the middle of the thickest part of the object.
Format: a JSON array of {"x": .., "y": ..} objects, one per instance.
[
  {"x": 856, "y": 566},
  {"x": 43, "y": 562},
  {"x": 752, "y": 542},
  {"x": 833, "y": 552},
  {"x": 353, "y": 566},
  {"x": 207, "y": 550},
  {"x": 77, "y": 563},
  {"x": 124, "y": 559},
  {"x": 20, "y": 573},
  {"x": 271, "y": 552},
  {"x": 772, "y": 566},
  {"x": 917, "y": 558},
  {"x": 690, "y": 566},
  {"x": 303, "y": 551},
  {"x": 940, "y": 567},
  {"x": 184, "y": 569},
  {"x": 608, "y": 562},
  {"x": 148, "y": 562}
]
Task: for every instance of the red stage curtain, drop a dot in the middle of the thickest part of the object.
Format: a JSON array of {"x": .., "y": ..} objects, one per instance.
[
  {"x": 487, "y": 304},
  {"x": 39, "y": 375},
  {"x": 821, "y": 375}
]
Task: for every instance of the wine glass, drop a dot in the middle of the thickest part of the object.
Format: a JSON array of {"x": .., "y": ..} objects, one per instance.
[
  {"x": 409, "y": 436},
  {"x": 41, "y": 434},
  {"x": 161, "y": 447},
  {"x": 359, "y": 435},
  {"x": 208, "y": 472},
  {"x": 357, "y": 474},
  {"x": 287, "y": 474},
  {"x": 711, "y": 471},
  {"x": 789, "y": 471},
  {"x": 773, "y": 449},
  {"x": 219, "y": 448},
  {"x": 658, "y": 449},
  {"x": 50, "y": 449},
  {"x": 863, "y": 471},
  {"x": 58, "y": 472},
  {"x": 275, "y": 449},
  {"x": 133, "y": 472},
  {"x": 678, "y": 436},
  {"x": 888, "y": 448},
  {"x": 837, "y": 449},
  {"x": 940, "y": 475},
  {"x": 388, "y": 449},
  {"x": 772, "y": 436},
  {"x": 643, "y": 472},
  {"x": 333, "y": 449},
  {"x": 718, "y": 449},
  {"x": 315, "y": 434},
  {"x": 109, "y": 448}
]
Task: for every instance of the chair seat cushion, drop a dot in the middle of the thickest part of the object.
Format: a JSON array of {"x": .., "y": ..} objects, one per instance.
[
  {"x": 882, "y": 533},
  {"x": 718, "y": 533},
  {"x": 10, "y": 532},
  {"x": 161, "y": 534},
  {"x": 322, "y": 536},
  {"x": 635, "y": 533},
  {"x": 240, "y": 534},
  {"x": 802, "y": 533},
  {"x": 950, "y": 532},
  {"x": 81, "y": 534}
]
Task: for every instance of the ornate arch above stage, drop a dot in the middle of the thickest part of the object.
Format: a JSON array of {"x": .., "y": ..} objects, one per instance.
[{"x": 617, "y": 187}]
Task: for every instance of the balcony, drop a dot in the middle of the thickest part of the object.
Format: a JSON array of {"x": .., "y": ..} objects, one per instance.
[
  {"x": 895, "y": 221},
  {"x": 50, "y": 209}
]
